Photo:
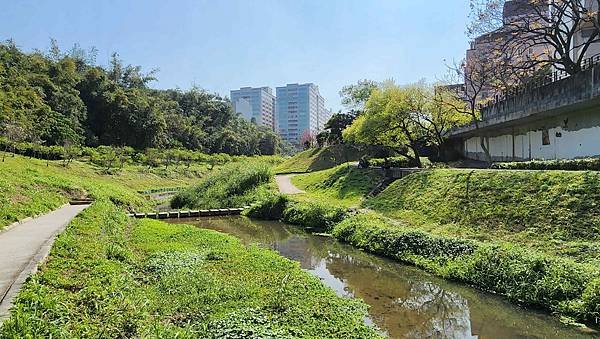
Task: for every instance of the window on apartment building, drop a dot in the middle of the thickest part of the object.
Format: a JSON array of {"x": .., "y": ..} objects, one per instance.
[{"x": 545, "y": 137}]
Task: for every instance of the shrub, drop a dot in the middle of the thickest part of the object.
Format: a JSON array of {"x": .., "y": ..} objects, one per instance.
[
  {"x": 314, "y": 216},
  {"x": 234, "y": 185},
  {"x": 270, "y": 208},
  {"x": 525, "y": 276}
]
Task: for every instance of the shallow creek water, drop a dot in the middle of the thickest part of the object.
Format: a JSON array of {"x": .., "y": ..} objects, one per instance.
[{"x": 405, "y": 302}]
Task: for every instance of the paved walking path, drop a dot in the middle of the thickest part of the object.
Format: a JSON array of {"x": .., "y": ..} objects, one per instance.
[
  {"x": 24, "y": 246},
  {"x": 286, "y": 186}
]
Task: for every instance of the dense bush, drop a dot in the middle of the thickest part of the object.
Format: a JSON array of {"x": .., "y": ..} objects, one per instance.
[
  {"x": 591, "y": 164},
  {"x": 375, "y": 234},
  {"x": 314, "y": 216},
  {"x": 33, "y": 150},
  {"x": 233, "y": 185},
  {"x": 270, "y": 208},
  {"x": 527, "y": 277},
  {"x": 590, "y": 308}
]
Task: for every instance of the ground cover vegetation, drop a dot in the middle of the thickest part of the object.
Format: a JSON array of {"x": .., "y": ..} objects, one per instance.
[
  {"x": 63, "y": 98},
  {"x": 111, "y": 276},
  {"x": 29, "y": 186},
  {"x": 555, "y": 212}
]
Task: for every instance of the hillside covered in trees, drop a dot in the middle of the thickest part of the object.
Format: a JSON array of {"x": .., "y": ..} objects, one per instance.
[{"x": 64, "y": 98}]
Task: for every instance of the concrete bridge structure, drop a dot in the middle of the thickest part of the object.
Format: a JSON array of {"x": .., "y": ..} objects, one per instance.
[{"x": 555, "y": 119}]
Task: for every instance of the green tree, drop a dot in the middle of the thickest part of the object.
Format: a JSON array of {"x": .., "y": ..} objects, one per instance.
[
  {"x": 336, "y": 125},
  {"x": 389, "y": 121},
  {"x": 355, "y": 96}
]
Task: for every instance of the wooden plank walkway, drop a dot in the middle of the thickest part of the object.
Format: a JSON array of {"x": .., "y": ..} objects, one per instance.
[{"x": 190, "y": 214}]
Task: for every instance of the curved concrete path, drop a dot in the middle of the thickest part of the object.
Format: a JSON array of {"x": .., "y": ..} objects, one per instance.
[
  {"x": 24, "y": 246},
  {"x": 285, "y": 185}
]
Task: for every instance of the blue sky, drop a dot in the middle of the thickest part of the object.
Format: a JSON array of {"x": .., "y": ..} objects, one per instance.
[{"x": 226, "y": 44}]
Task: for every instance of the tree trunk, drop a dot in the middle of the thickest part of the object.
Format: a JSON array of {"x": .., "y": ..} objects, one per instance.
[{"x": 417, "y": 159}]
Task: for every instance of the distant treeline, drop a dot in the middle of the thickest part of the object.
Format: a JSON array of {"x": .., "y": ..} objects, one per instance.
[
  {"x": 112, "y": 157},
  {"x": 64, "y": 98}
]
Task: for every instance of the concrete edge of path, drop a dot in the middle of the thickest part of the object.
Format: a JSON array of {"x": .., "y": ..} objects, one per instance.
[{"x": 31, "y": 268}]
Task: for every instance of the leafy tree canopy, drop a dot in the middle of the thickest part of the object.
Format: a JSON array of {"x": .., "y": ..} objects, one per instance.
[{"x": 60, "y": 98}]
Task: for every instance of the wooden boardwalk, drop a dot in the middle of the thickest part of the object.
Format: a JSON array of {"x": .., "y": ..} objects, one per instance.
[{"x": 190, "y": 214}]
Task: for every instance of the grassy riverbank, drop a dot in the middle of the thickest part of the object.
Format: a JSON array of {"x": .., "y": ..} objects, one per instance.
[
  {"x": 110, "y": 276},
  {"x": 555, "y": 212},
  {"x": 530, "y": 236},
  {"x": 344, "y": 184}
]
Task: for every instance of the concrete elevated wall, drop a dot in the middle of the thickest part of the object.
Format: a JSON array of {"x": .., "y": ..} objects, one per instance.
[
  {"x": 568, "y": 136},
  {"x": 560, "y": 120}
]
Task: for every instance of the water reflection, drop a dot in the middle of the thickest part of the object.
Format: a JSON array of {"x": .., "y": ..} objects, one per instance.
[{"x": 404, "y": 302}]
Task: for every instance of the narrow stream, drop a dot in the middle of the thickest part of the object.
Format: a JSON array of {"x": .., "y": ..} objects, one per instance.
[{"x": 405, "y": 302}]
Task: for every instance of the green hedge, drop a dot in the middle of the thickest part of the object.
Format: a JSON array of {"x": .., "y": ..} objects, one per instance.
[
  {"x": 102, "y": 155},
  {"x": 590, "y": 164},
  {"x": 375, "y": 234},
  {"x": 33, "y": 150}
]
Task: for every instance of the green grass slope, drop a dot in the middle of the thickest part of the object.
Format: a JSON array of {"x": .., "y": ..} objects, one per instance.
[
  {"x": 316, "y": 159},
  {"x": 344, "y": 184},
  {"x": 30, "y": 187},
  {"x": 556, "y": 211},
  {"x": 113, "y": 277}
]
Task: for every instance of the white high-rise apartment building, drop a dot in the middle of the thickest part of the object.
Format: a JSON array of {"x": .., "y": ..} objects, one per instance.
[
  {"x": 255, "y": 104},
  {"x": 300, "y": 109}
]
